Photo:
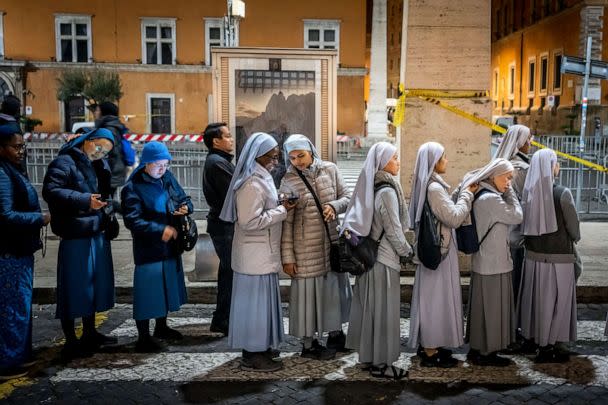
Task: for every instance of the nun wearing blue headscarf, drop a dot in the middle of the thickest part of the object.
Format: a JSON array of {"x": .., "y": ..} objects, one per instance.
[
  {"x": 252, "y": 204},
  {"x": 20, "y": 221},
  {"x": 319, "y": 299},
  {"x": 150, "y": 200},
  {"x": 76, "y": 186}
]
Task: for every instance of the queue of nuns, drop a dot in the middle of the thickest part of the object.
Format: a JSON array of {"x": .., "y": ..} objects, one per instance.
[{"x": 522, "y": 296}]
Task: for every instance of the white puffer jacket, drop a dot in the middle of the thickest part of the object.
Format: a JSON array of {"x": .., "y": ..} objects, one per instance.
[{"x": 304, "y": 239}]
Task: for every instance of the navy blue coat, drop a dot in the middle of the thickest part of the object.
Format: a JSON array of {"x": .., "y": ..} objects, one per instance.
[
  {"x": 68, "y": 184},
  {"x": 20, "y": 216},
  {"x": 147, "y": 204}
]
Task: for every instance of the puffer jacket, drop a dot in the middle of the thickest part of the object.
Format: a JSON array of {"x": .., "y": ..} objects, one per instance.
[{"x": 304, "y": 239}]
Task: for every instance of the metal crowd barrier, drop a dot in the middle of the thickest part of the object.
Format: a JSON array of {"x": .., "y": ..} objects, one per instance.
[
  {"x": 187, "y": 166},
  {"x": 356, "y": 147}
]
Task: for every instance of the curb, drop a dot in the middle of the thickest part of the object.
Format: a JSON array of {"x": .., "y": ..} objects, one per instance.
[{"x": 207, "y": 294}]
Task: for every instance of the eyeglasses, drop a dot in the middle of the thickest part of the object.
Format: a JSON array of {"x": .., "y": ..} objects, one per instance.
[
  {"x": 99, "y": 150},
  {"x": 160, "y": 165},
  {"x": 19, "y": 147}
]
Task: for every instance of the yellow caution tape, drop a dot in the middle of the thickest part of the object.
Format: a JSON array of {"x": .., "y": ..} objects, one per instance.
[
  {"x": 502, "y": 130},
  {"x": 399, "y": 114},
  {"x": 446, "y": 93}
]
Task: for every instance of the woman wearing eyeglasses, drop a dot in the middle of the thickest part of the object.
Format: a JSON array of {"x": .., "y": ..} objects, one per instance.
[
  {"x": 20, "y": 221},
  {"x": 151, "y": 199},
  {"x": 76, "y": 186}
]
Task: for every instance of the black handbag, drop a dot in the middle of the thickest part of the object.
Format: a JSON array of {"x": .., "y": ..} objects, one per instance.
[
  {"x": 358, "y": 259},
  {"x": 334, "y": 250},
  {"x": 187, "y": 232},
  {"x": 429, "y": 239},
  {"x": 109, "y": 222}
]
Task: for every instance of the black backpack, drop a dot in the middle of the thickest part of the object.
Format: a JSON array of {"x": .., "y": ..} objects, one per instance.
[
  {"x": 359, "y": 259},
  {"x": 428, "y": 246},
  {"x": 466, "y": 235}
]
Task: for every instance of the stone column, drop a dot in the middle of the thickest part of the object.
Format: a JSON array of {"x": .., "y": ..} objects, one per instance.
[{"x": 377, "y": 123}]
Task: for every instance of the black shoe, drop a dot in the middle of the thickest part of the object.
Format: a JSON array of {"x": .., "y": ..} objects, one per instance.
[
  {"x": 490, "y": 360},
  {"x": 75, "y": 350},
  {"x": 166, "y": 333},
  {"x": 11, "y": 373},
  {"x": 437, "y": 360},
  {"x": 337, "y": 343},
  {"x": 219, "y": 328},
  {"x": 148, "y": 344},
  {"x": 259, "y": 361},
  {"x": 549, "y": 354},
  {"x": 273, "y": 353},
  {"x": 96, "y": 340},
  {"x": 318, "y": 352}
]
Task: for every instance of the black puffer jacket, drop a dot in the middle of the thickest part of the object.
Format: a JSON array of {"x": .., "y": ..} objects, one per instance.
[{"x": 116, "y": 157}]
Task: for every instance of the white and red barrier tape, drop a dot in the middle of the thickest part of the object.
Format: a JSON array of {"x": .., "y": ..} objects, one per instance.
[{"x": 44, "y": 136}]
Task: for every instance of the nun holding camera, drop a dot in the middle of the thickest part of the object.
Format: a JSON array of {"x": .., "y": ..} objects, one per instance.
[
  {"x": 151, "y": 200},
  {"x": 252, "y": 204}
]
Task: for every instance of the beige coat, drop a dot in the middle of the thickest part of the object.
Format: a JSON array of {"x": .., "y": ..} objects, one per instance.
[
  {"x": 257, "y": 232},
  {"x": 304, "y": 240}
]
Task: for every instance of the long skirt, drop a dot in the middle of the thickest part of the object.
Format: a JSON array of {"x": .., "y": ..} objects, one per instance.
[
  {"x": 436, "y": 311},
  {"x": 491, "y": 321},
  {"x": 316, "y": 304},
  {"x": 158, "y": 288},
  {"x": 256, "y": 316},
  {"x": 373, "y": 330},
  {"x": 547, "y": 303},
  {"x": 16, "y": 284},
  {"x": 85, "y": 277}
]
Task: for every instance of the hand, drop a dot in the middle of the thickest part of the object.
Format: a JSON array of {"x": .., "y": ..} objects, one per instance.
[
  {"x": 69, "y": 137},
  {"x": 183, "y": 210},
  {"x": 329, "y": 214},
  {"x": 290, "y": 269},
  {"x": 46, "y": 218},
  {"x": 288, "y": 205},
  {"x": 473, "y": 188},
  {"x": 96, "y": 203},
  {"x": 169, "y": 233}
]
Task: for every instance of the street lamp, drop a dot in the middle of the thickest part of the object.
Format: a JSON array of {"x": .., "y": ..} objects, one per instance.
[{"x": 236, "y": 12}]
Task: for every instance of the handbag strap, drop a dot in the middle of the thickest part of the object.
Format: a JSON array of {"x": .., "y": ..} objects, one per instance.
[{"x": 317, "y": 202}]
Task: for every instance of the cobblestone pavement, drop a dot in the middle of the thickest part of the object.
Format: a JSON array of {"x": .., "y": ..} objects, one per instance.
[{"x": 203, "y": 369}]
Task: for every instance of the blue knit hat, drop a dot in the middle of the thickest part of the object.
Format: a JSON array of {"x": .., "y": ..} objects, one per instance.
[{"x": 154, "y": 151}]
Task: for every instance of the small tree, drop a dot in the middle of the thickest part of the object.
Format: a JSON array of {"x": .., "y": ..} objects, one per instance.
[{"x": 96, "y": 86}]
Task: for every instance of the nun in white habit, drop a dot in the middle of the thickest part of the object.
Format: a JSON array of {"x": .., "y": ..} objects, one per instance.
[
  {"x": 319, "y": 299},
  {"x": 256, "y": 320},
  {"x": 491, "y": 321},
  {"x": 514, "y": 148},
  {"x": 436, "y": 311},
  {"x": 375, "y": 312},
  {"x": 547, "y": 306}
]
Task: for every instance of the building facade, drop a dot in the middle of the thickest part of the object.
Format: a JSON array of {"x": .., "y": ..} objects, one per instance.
[
  {"x": 529, "y": 39},
  {"x": 162, "y": 53}
]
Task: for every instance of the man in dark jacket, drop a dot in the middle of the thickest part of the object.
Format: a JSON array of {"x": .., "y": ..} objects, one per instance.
[
  {"x": 216, "y": 179},
  {"x": 10, "y": 110},
  {"x": 106, "y": 116}
]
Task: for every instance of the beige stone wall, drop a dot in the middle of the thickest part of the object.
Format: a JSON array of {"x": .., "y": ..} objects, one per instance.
[{"x": 448, "y": 49}]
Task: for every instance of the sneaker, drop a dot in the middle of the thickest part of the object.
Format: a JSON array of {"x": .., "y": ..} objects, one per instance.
[
  {"x": 438, "y": 360},
  {"x": 549, "y": 354},
  {"x": 337, "y": 343},
  {"x": 260, "y": 362},
  {"x": 148, "y": 344},
  {"x": 318, "y": 352},
  {"x": 167, "y": 334},
  {"x": 11, "y": 373}
]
